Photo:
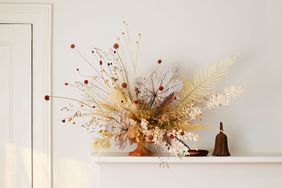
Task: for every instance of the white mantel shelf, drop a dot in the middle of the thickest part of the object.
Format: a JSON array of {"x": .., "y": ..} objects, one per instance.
[
  {"x": 240, "y": 170},
  {"x": 265, "y": 158}
]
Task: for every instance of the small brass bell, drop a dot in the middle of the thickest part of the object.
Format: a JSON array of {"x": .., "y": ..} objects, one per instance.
[{"x": 221, "y": 144}]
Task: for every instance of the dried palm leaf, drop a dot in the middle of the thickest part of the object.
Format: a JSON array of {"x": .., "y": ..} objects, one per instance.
[
  {"x": 206, "y": 81},
  {"x": 186, "y": 126}
]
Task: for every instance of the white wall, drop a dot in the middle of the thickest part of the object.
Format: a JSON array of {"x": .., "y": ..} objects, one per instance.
[{"x": 190, "y": 34}]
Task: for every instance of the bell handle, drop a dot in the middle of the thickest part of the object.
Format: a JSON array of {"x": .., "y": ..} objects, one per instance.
[{"x": 221, "y": 127}]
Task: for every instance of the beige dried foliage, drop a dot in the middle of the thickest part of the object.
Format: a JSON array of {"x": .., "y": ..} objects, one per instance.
[{"x": 205, "y": 81}]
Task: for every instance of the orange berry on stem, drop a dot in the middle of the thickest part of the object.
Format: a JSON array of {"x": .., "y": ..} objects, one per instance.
[
  {"x": 116, "y": 46},
  {"x": 161, "y": 88},
  {"x": 47, "y": 97},
  {"x": 124, "y": 85},
  {"x": 72, "y": 46}
]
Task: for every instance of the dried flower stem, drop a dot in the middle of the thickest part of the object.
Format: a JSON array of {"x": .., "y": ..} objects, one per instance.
[
  {"x": 72, "y": 99},
  {"x": 88, "y": 95},
  {"x": 92, "y": 67}
]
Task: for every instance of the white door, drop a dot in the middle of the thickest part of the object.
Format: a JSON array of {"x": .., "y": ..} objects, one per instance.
[{"x": 15, "y": 106}]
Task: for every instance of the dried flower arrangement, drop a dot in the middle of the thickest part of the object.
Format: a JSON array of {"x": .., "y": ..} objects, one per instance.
[{"x": 121, "y": 108}]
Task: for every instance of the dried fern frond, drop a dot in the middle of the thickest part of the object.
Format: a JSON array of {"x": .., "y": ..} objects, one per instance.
[
  {"x": 206, "y": 81},
  {"x": 186, "y": 88},
  {"x": 187, "y": 126}
]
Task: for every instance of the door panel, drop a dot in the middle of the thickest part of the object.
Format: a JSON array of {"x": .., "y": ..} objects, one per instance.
[{"x": 16, "y": 106}]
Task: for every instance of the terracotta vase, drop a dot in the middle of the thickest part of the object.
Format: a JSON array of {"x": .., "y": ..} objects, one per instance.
[{"x": 140, "y": 150}]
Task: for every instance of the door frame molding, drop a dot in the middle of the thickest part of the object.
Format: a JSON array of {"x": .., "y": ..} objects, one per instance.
[{"x": 40, "y": 17}]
